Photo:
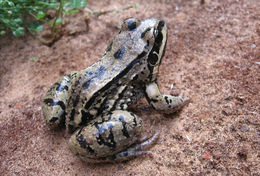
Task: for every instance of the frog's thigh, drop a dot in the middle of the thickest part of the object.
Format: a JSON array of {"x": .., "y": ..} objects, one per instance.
[
  {"x": 106, "y": 136},
  {"x": 166, "y": 103}
]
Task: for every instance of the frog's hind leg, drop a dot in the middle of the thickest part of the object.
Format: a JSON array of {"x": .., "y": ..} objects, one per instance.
[
  {"x": 111, "y": 137},
  {"x": 56, "y": 99},
  {"x": 132, "y": 152}
]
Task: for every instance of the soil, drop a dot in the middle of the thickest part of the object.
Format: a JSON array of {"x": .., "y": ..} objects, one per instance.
[{"x": 212, "y": 56}]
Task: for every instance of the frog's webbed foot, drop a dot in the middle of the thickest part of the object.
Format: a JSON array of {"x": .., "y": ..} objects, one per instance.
[
  {"x": 166, "y": 103},
  {"x": 138, "y": 149}
]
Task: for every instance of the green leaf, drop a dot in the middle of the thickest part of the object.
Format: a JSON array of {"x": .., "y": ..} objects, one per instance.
[
  {"x": 69, "y": 12},
  {"x": 39, "y": 28},
  {"x": 18, "y": 31},
  {"x": 10, "y": 3},
  {"x": 40, "y": 15},
  {"x": 18, "y": 21},
  {"x": 2, "y": 32},
  {"x": 75, "y": 4},
  {"x": 50, "y": 22},
  {"x": 136, "y": 6},
  {"x": 33, "y": 59},
  {"x": 35, "y": 27},
  {"x": 6, "y": 21},
  {"x": 13, "y": 14},
  {"x": 10, "y": 105},
  {"x": 58, "y": 21}
]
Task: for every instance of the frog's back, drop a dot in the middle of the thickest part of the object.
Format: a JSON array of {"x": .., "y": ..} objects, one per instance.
[{"x": 96, "y": 90}]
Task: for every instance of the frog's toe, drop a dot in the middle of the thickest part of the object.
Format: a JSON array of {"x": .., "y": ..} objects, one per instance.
[
  {"x": 128, "y": 154},
  {"x": 146, "y": 142},
  {"x": 184, "y": 99}
]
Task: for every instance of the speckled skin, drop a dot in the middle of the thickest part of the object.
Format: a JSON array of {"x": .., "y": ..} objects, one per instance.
[{"x": 94, "y": 101}]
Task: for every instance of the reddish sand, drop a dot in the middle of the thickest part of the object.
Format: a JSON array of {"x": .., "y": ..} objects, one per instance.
[{"x": 212, "y": 56}]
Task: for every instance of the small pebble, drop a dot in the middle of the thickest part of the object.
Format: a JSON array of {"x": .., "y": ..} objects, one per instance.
[
  {"x": 253, "y": 45},
  {"x": 244, "y": 128}
]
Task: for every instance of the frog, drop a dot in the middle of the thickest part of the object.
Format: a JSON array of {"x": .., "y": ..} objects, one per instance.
[{"x": 94, "y": 103}]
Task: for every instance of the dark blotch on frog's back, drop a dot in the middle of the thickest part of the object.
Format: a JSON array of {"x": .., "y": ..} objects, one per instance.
[
  {"x": 131, "y": 25},
  {"x": 144, "y": 33},
  {"x": 97, "y": 73},
  {"x": 90, "y": 76},
  {"x": 120, "y": 53},
  {"x": 86, "y": 84},
  {"x": 100, "y": 71}
]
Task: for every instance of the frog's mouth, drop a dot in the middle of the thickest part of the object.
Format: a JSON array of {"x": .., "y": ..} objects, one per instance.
[{"x": 158, "y": 50}]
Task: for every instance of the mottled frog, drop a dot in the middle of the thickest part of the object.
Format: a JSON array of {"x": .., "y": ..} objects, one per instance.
[{"x": 93, "y": 102}]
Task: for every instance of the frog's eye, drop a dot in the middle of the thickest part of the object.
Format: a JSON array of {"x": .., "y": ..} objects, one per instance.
[
  {"x": 130, "y": 24},
  {"x": 153, "y": 58}
]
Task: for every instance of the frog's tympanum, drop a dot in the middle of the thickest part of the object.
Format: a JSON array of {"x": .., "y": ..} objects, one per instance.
[{"x": 93, "y": 102}]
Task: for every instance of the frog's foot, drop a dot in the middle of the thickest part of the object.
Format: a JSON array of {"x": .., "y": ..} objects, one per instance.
[
  {"x": 145, "y": 142},
  {"x": 138, "y": 149},
  {"x": 185, "y": 100},
  {"x": 166, "y": 103}
]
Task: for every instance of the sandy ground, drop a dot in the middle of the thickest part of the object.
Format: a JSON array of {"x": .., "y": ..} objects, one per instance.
[{"x": 212, "y": 56}]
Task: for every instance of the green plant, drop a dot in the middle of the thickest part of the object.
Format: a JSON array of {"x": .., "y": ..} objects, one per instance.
[{"x": 18, "y": 15}]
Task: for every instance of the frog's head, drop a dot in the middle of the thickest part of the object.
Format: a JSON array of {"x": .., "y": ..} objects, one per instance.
[
  {"x": 138, "y": 47},
  {"x": 156, "y": 36},
  {"x": 150, "y": 38}
]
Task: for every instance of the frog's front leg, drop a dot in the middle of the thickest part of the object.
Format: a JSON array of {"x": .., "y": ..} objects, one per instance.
[
  {"x": 110, "y": 138},
  {"x": 56, "y": 99},
  {"x": 165, "y": 103}
]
